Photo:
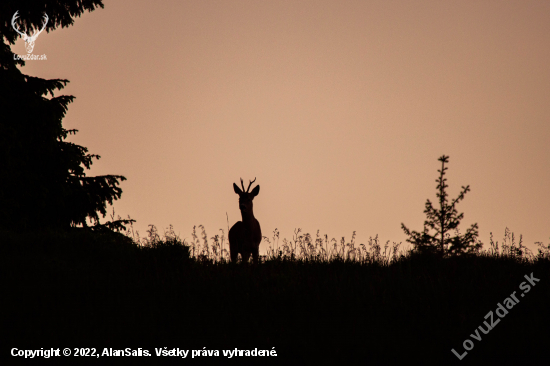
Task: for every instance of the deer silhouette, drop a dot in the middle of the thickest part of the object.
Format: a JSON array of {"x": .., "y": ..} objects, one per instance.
[{"x": 245, "y": 236}]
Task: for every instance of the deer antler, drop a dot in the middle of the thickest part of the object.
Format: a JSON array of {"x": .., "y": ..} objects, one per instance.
[
  {"x": 242, "y": 185},
  {"x": 15, "y": 27},
  {"x": 43, "y": 27},
  {"x": 250, "y": 185}
]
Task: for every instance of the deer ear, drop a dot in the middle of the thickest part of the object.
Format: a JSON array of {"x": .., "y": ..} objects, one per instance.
[
  {"x": 237, "y": 189},
  {"x": 255, "y": 191}
]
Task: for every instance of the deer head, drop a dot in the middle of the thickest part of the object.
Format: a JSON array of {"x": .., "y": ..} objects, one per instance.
[
  {"x": 245, "y": 197},
  {"x": 29, "y": 40}
]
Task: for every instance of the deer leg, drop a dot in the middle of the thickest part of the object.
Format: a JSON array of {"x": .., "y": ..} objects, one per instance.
[
  {"x": 255, "y": 255},
  {"x": 233, "y": 252},
  {"x": 245, "y": 256}
]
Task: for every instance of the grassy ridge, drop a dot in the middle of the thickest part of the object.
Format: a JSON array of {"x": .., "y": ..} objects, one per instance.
[{"x": 102, "y": 290}]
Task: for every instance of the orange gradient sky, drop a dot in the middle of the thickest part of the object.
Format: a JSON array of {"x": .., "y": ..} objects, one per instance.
[{"x": 339, "y": 108}]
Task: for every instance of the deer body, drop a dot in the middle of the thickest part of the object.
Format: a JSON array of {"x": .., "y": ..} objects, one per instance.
[{"x": 245, "y": 236}]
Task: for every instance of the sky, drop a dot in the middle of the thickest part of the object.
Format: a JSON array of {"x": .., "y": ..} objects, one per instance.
[{"x": 339, "y": 109}]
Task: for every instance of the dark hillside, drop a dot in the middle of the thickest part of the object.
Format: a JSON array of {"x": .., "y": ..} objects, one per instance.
[{"x": 103, "y": 291}]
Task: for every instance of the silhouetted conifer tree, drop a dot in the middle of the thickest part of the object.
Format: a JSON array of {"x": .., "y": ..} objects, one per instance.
[
  {"x": 43, "y": 182},
  {"x": 443, "y": 220}
]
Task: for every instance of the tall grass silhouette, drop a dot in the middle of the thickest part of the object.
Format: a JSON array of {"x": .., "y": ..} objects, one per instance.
[{"x": 303, "y": 247}]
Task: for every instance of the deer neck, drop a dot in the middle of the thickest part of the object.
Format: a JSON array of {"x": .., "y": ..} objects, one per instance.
[{"x": 248, "y": 217}]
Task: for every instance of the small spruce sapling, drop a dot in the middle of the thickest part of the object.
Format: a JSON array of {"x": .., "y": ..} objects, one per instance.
[{"x": 443, "y": 220}]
